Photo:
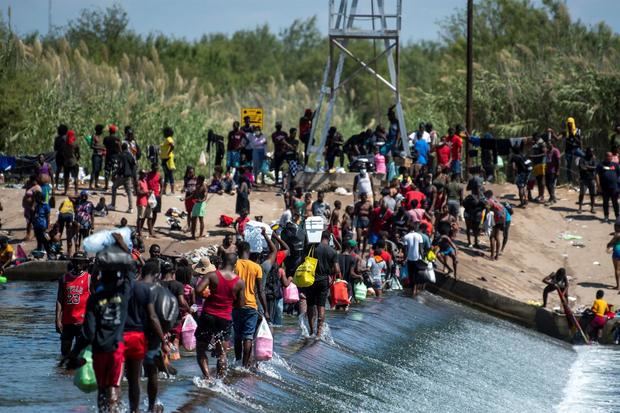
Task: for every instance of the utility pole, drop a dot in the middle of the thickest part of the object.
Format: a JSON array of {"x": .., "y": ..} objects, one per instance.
[
  {"x": 49, "y": 18},
  {"x": 469, "y": 114}
]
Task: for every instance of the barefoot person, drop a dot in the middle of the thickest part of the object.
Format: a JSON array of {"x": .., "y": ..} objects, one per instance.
[
  {"x": 200, "y": 206},
  {"x": 226, "y": 290},
  {"x": 555, "y": 281},
  {"x": 316, "y": 294},
  {"x": 245, "y": 312},
  {"x": 613, "y": 246}
]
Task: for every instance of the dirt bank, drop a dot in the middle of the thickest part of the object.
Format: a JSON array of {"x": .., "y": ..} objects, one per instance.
[{"x": 535, "y": 248}]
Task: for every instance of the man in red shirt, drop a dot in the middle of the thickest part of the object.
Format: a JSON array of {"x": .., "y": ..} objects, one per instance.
[
  {"x": 456, "y": 145},
  {"x": 379, "y": 218},
  {"x": 154, "y": 182},
  {"x": 443, "y": 154},
  {"x": 415, "y": 194},
  {"x": 74, "y": 288}
]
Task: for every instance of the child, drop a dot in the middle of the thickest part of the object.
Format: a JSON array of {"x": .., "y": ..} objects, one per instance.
[
  {"x": 447, "y": 248},
  {"x": 84, "y": 218},
  {"x": 41, "y": 219},
  {"x": 101, "y": 210},
  {"x": 228, "y": 184},
  {"x": 378, "y": 267},
  {"x": 334, "y": 221},
  {"x": 247, "y": 173},
  {"x": 217, "y": 186},
  {"x": 599, "y": 308}
]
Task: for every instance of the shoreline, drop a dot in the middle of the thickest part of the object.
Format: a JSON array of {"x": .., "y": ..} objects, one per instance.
[{"x": 502, "y": 288}]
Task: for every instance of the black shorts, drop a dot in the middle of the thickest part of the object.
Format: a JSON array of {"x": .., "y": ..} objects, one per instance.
[
  {"x": 72, "y": 170},
  {"x": 316, "y": 294},
  {"x": 210, "y": 326},
  {"x": 70, "y": 332},
  {"x": 417, "y": 272},
  {"x": 157, "y": 208}
]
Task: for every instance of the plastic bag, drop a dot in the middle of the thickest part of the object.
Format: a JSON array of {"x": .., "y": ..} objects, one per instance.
[
  {"x": 102, "y": 239},
  {"x": 304, "y": 274},
  {"x": 291, "y": 294},
  {"x": 152, "y": 201},
  {"x": 359, "y": 291},
  {"x": 254, "y": 236},
  {"x": 202, "y": 160},
  {"x": 84, "y": 378},
  {"x": 187, "y": 333},
  {"x": 263, "y": 350},
  {"x": 430, "y": 273}
]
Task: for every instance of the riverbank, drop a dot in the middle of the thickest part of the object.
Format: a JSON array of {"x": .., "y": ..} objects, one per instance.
[{"x": 536, "y": 246}]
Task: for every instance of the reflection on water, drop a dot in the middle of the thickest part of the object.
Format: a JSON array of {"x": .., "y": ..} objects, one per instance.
[{"x": 399, "y": 355}]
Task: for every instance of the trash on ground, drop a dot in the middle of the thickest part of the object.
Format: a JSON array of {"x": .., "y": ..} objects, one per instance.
[{"x": 567, "y": 237}]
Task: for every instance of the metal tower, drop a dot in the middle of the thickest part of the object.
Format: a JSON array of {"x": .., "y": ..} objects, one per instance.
[{"x": 350, "y": 22}]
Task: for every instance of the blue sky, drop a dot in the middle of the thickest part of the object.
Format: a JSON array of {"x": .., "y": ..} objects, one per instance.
[{"x": 193, "y": 18}]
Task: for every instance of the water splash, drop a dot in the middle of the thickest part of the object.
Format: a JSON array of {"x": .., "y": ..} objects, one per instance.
[{"x": 219, "y": 387}]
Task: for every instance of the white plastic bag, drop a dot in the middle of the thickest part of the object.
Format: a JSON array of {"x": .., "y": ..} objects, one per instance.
[
  {"x": 263, "y": 349},
  {"x": 152, "y": 201},
  {"x": 254, "y": 236},
  {"x": 202, "y": 160},
  {"x": 187, "y": 332},
  {"x": 430, "y": 273}
]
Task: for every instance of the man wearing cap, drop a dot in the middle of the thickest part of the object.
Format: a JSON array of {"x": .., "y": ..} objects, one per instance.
[
  {"x": 226, "y": 289},
  {"x": 112, "y": 145},
  {"x": 280, "y": 148},
  {"x": 74, "y": 288}
]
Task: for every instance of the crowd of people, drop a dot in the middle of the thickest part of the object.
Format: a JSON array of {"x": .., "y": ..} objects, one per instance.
[{"x": 400, "y": 228}]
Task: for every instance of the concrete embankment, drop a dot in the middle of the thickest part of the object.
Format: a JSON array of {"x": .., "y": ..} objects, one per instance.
[{"x": 531, "y": 316}]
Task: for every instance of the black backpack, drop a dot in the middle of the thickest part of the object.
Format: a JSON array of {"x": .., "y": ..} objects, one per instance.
[
  {"x": 166, "y": 306},
  {"x": 273, "y": 286},
  {"x": 294, "y": 237}
]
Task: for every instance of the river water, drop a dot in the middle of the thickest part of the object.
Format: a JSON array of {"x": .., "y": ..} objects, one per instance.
[{"x": 397, "y": 355}]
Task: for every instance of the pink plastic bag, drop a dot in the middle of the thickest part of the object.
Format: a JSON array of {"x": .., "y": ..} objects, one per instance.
[
  {"x": 263, "y": 349},
  {"x": 291, "y": 294},
  {"x": 187, "y": 333}
]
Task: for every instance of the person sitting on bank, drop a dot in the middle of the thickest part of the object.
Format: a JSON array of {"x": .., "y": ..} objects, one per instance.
[{"x": 555, "y": 281}]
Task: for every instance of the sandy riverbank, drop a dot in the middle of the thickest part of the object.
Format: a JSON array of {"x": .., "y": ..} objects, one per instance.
[{"x": 535, "y": 248}]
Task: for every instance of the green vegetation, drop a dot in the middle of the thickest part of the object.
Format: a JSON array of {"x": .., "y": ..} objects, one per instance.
[{"x": 534, "y": 66}]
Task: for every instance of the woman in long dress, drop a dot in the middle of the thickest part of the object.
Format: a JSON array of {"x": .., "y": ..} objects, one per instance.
[{"x": 243, "y": 195}]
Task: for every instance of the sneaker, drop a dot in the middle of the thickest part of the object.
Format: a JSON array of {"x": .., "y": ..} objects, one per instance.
[
  {"x": 130, "y": 211},
  {"x": 111, "y": 207}
]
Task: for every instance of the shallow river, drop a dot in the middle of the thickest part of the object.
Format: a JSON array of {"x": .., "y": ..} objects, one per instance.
[{"x": 398, "y": 355}]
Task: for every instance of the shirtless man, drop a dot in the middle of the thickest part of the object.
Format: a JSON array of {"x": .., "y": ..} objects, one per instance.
[
  {"x": 334, "y": 221},
  {"x": 362, "y": 214},
  {"x": 227, "y": 247}
]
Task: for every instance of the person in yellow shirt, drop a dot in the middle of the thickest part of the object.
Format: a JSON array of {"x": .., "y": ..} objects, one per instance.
[
  {"x": 245, "y": 319},
  {"x": 166, "y": 151},
  {"x": 599, "y": 308},
  {"x": 6, "y": 253}
]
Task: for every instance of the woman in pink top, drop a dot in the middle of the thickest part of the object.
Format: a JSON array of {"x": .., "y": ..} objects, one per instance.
[
  {"x": 380, "y": 167},
  {"x": 224, "y": 289}
]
